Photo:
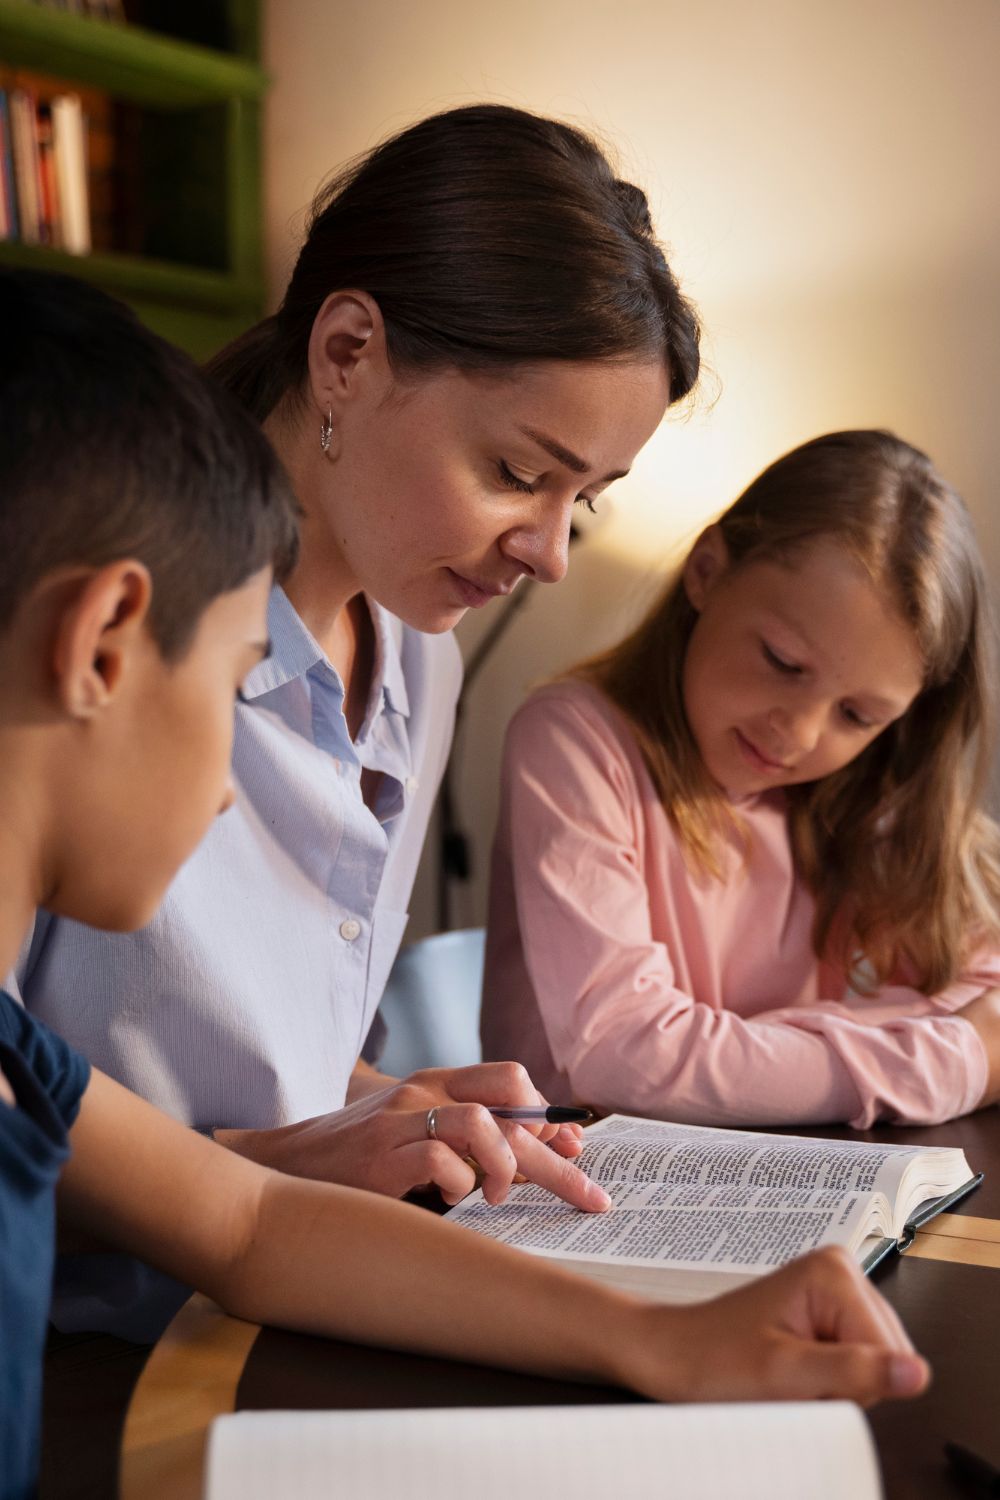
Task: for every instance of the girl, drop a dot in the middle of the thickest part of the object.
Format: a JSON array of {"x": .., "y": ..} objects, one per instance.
[
  {"x": 741, "y": 876},
  {"x": 135, "y": 573},
  {"x": 480, "y": 332}
]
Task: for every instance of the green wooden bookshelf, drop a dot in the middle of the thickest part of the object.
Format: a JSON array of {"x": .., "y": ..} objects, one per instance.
[{"x": 193, "y": 117}]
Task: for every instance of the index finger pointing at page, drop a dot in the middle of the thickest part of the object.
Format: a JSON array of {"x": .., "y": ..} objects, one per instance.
[{"x": 548, "y": 1170}]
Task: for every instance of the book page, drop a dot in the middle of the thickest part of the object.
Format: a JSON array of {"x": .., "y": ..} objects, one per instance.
[
  {"x": 631, "y": 1452},
  {"x": 734, "y": 1203},
  {"x": 627, "y": 1149},
  {"x": 725, "y": 1230}
]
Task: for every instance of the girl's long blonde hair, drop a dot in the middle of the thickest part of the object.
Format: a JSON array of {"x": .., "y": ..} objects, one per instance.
[{"x": 902, "y": 863}]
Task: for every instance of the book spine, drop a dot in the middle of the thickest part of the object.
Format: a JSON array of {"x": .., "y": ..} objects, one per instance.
[
  {"x": 22, "y": 122},
  {"x": 51, "y": 223},
  {"x": 8, "y": 200},
  {"x": 71, "y": 172}
]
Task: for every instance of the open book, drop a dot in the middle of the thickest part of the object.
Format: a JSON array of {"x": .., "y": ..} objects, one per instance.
[
  {"x": 698, "y": 1211},
  {"x": 819, "y": 1450}
]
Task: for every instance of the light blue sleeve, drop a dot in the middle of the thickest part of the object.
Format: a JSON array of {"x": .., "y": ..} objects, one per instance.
[{"x": 18, "y": 981}]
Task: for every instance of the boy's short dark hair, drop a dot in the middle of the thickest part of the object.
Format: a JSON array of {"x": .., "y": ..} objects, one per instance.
[{"x": 114, "y": 444}]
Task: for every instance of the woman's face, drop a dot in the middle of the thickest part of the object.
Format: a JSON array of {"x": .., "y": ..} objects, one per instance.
[{"x": 442, "y": 492}]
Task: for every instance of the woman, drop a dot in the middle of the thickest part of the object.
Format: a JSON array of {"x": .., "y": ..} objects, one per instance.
[{"x": 479, "y": 334}]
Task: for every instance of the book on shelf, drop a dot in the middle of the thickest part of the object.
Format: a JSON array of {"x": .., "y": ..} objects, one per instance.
[
  {"x": 44, "y": 169},
  {"x": 70, "y": 152},
  {"x": 27, "y": 186},
  {"x": 9, "y": 228},
  {"x": 49, "y": 212},
  {"x": 638, "y": 1451},
  {"x": 699, "y": 1211}
]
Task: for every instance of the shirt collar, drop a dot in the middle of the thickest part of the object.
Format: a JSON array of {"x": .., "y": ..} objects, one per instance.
[
  {"x": 388, "y": 664},
  {"x": 295, "y": 651}
]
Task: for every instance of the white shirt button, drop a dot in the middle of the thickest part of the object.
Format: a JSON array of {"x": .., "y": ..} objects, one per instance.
[
  {"x": 411, "y": 784},
  {"x": 350, "y": 929}
]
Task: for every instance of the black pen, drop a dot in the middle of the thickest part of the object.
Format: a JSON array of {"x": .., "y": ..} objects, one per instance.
[
  {"x": 978, "y": 1475},
  {"x": 550, "y": 1114}
]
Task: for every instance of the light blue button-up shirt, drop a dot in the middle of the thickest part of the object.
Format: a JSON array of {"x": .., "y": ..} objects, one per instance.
[{"x": 246, "y": 1001}]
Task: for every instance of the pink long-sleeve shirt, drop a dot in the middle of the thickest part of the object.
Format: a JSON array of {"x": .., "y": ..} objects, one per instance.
[{"x": 620, "y": 977}]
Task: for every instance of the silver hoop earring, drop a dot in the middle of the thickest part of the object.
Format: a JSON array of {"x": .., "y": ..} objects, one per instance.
[{"x": 326, "y": 432}]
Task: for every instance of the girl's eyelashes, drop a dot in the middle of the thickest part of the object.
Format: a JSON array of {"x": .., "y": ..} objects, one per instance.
[
  {"x": 778, "y": 662},
  {"x": 790, "y": 669},
  {"x": 856, "y": 720},
  {"x": 586, "y": 500}
]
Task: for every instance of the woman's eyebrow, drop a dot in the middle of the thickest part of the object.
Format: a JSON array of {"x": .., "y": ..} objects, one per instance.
[{"x": 566, "y": 456}]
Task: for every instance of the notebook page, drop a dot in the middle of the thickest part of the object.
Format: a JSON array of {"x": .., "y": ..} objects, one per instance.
[{"x": 795, "y": 1451}]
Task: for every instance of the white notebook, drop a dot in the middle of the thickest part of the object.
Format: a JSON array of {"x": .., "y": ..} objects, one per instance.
[{"x": 792, "y": 1451}]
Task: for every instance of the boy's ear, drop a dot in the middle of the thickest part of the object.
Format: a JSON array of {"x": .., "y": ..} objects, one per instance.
[
  {"x": 707, "y": 562},
  {"x": 99, "y": 628},
  {"x": 346, "y": 348}
]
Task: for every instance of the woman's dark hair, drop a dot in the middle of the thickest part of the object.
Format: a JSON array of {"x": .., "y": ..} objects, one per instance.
[
  {"x": 488, "y": 237},
  {"x": 114, "y": 444}
]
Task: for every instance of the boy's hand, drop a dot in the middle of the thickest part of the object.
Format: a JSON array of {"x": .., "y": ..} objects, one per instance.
[
  {"x": 814, "y": 1329},
  {"x": 380, "y": 1140},
  {"x": 984, "y": 1014}
]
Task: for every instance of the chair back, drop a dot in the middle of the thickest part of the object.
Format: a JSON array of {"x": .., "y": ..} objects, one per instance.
[{"x": 431, "y": 1003}]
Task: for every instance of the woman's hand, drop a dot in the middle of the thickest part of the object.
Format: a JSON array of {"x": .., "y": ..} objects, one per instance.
[
  {"x": 380, "y": 1141},
  {"x": 814, "y": 1329},
  {"x": 983, "y": 1013}
]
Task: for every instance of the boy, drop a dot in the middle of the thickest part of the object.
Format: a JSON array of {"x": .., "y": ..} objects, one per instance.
[{"x": 141, "y": 513}]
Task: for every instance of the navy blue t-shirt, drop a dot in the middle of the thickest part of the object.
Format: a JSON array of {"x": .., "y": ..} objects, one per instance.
[{"x": 48, "y": 1079}]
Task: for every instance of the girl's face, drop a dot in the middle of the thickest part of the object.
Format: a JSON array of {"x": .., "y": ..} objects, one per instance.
[
  {"x": 444, "y": 492},
  {"x": 793, "y": 668}
]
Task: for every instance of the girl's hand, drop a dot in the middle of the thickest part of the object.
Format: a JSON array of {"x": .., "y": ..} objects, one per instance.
[
  {"x": 815, "y": 1329},
  {"x": 983, "y": 1014},
  {"x": 380, "y": 1141}
]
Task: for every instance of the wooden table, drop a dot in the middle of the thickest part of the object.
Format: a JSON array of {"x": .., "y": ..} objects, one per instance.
[{"x": 946, "y": 1289}]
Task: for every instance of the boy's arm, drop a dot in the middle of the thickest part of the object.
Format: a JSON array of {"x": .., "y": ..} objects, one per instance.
[{"x": 354, "y": 1265}]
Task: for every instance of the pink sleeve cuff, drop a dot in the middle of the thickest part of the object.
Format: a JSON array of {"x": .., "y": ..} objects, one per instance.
[{"x": 976, "y": 1062}]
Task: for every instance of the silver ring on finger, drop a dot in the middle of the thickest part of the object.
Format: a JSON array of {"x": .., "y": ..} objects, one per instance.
[{"x": 431, "y": 1124}]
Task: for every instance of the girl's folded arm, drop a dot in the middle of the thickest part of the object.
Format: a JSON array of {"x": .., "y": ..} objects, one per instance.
[{"x": 616, "y": 1020}]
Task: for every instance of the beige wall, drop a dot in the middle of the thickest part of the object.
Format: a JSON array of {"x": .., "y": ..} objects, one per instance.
[{"x": 826, "y": 176}]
